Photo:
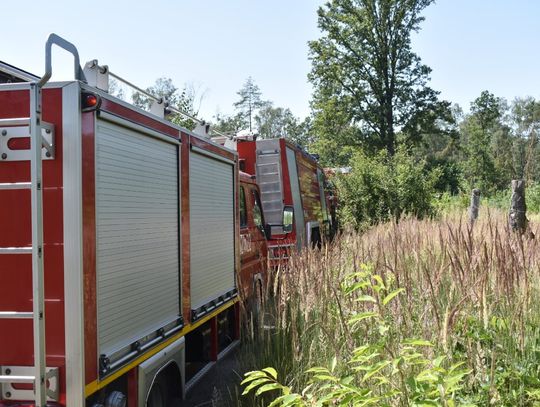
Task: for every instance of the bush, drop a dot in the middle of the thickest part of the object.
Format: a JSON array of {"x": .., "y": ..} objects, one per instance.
[
  {"x": 497, "y": 199},
  {"x": 447, "y": 203},
  {"x": 532, "y": 195},
  {"x": 380, "y": 188}
]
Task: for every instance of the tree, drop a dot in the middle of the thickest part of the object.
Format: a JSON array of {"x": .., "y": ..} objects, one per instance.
[
  {"x": 250, "y": 101},
  {"x": 303, "y": 134},
  {"x": 439, "y": 146},
  {"x": 228, "y": 124},
  {"x": 275, "y": 122},
  {"x": 525, "y": 119},
  {"x": 380, "y": 188},
  {"x": 487, "y": 144},
  {"x": 365, "y": 72}
]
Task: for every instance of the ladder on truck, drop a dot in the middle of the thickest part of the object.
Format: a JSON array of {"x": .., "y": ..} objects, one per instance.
[
  {"x": 269, "y": 178},
  {"x": 37, "y": 142}
]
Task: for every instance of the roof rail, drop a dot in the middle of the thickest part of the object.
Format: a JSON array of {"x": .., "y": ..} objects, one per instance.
[{"x": 98, "y": 76}]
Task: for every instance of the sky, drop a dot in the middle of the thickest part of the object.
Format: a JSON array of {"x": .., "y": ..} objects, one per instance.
[
  {"x": 476, "y": 45},
  {"x": 471, "y": 45}
]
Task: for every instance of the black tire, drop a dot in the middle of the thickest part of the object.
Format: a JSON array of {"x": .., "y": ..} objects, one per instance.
[{"x": 161, "y": 394}]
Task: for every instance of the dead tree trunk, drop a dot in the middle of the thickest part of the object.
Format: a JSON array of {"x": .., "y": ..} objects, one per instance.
[
  {"x": 475, "y": 205},
  {"x": 518, "y": 208}
]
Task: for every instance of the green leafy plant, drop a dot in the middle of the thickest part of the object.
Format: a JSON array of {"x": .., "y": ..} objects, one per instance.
[
  {"x": 381, "y": 370},
  {"x": 381, "y": 188}
]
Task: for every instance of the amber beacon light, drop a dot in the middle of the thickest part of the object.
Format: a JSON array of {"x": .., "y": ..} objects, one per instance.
[{"x": 90, "y": 101}]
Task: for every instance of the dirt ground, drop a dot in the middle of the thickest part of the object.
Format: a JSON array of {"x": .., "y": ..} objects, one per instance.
[{"x": 219, "y": 388}]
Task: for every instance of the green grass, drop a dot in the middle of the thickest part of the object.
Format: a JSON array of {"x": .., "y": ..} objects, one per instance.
[{"x": 500, "y": 200}]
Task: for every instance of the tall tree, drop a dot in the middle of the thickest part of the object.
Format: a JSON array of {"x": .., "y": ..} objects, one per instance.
[
  {"x": 250, "y": 100},
  {"x": 487, "y": 144},
  {"x": 365, "y": 72},
  {"x": 525, "y": 120}
]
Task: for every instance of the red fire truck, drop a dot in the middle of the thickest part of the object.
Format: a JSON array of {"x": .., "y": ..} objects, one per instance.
[
  {"x": 122, "y": 236},
  {"x": 293, "y": 194}
]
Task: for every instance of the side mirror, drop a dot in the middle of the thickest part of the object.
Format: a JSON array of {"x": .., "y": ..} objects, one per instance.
[
  {"x": 288, "y": 219},
  {"x": 285, "y": 228}
]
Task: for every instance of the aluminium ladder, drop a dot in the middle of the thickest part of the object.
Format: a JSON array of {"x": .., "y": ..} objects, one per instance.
[{"x": 39, "y": 379}]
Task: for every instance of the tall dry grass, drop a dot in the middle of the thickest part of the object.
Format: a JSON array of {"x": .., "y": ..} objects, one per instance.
[{"x": 472, "y": 291}]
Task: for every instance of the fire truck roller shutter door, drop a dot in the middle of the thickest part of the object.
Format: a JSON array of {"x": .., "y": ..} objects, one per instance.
[
  {"x": 137, "y": 237},
  {"x": 212, "y": 229}
]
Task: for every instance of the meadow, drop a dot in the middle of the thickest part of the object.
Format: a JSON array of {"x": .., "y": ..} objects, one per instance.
[{"x": 420, "y": 312}]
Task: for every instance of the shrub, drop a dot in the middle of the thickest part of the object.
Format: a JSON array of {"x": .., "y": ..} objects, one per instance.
[{"x": 380, "y": 188}]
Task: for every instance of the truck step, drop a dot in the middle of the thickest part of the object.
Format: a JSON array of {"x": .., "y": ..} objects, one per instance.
[
  {"x": 15, "y": 185},
  {"x": 16, "y": 315},
  {"x": 16, "y": 250},
  {"x": 16, "y": 379}
]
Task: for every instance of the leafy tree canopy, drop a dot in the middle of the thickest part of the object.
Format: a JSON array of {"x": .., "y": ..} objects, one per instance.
[{"x": 366, "y": 74}]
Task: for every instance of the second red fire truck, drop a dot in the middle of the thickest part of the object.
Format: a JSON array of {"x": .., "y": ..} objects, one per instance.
[{"x": 294, "y": 192}]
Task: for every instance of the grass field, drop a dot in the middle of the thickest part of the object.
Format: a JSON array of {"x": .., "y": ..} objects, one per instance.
[{"x": 431, "y": 312}]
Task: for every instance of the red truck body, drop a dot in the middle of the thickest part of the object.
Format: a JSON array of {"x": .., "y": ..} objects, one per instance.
[
  {"x": 291, "y": 178},
  {"x": 145, "y": 250}
]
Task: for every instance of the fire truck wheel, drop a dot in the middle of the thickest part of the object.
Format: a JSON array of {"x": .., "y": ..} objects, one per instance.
[{"x": 160, "y": 393}]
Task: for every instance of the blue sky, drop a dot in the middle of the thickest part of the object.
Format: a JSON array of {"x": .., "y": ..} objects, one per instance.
[
  {"x": 475, "y": 45},
  {"x": 215, "y": 45}
]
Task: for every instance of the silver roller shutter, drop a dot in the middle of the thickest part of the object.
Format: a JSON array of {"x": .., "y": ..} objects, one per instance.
[
  {"x": 137, "y": 261},
  {"x": 211, "y": 192}
]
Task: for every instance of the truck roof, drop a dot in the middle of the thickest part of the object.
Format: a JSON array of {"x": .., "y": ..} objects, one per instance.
[{"x": 12, "y": 74}]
